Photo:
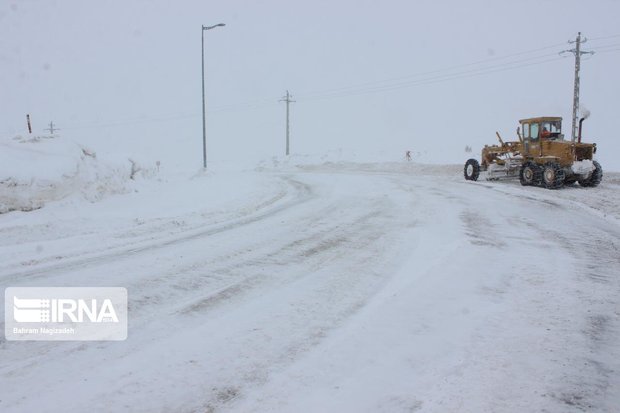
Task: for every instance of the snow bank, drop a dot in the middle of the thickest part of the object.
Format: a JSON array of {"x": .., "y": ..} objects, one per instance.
[
  {"x": 340, "y": 156},
  {"x": 39, "y": 169},
  {"x": 341, "y": 162}
]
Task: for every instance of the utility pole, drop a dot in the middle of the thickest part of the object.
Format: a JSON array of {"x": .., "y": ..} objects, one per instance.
[
  {"x": 577, "y": 52},
  {"x": 51, "y": 129},
  {"x": 288, "y": 101}
]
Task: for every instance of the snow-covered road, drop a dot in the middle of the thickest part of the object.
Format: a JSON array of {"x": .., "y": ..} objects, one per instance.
[{"x": 331, "y": 288}]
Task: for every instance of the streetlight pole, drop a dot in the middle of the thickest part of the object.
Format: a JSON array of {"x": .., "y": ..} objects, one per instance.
[{"x": 204, "y": 121}]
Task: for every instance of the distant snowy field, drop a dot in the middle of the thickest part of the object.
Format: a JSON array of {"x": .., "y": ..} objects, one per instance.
[{"x": 312, "y": 284}]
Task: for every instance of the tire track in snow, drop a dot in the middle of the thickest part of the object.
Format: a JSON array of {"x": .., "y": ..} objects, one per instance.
[
  {"x": 289, "y": 292},
  {"x": 302, "y": 194},
  {"x": 314, "y": 252},
  {"x": 592, "y": 384},
  {"x": 320, "y": 275},
  {"x": 232, "y": 276},
  {"x": 576, "y": 301}
]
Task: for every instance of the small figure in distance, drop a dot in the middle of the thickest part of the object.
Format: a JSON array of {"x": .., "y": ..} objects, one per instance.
[{"x": 408, "y": 156}]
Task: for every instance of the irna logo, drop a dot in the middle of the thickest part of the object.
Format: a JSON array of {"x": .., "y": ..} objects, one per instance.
[
  {"x": 65, "y": 313},
  {"x": 33, "y": 310}
]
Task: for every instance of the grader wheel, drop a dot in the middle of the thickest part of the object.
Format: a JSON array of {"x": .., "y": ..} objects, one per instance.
[
  {"x": 530, "y": 174},
  {"x": 471, "y": 170},
  {"x": 595, "y": 178},
  {"x": 553, "y": 176}
]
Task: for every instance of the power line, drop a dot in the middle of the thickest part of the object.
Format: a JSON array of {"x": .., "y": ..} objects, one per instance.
[
  {"x": 87, "y": 124},
  {"x": 131, "y": 121},
  {"x": 418, "y": 79},
  {"x": 608, "y": 51},
  {"x": 595, "y": 39},
  {"x": 436, "y": 79},
  {"x": 334, "y": 93},
  {"x": 450, "y": 68},
  {"x": 607, "y": 46}
]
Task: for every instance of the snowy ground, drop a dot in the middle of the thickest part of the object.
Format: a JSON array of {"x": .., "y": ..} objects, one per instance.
[
  {"x": 35, "y": 170},
  {"x": 332, "y": 287}
]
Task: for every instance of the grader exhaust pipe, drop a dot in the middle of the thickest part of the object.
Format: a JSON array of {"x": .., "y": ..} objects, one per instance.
[{"x": 579, "y": 134}]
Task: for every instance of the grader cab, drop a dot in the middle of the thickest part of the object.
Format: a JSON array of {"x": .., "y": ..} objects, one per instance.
[{"x": 541, "y": 156}]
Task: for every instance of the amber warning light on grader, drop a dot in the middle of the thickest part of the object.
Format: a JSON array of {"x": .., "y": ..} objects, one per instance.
[{"x": 540, "y": 157}]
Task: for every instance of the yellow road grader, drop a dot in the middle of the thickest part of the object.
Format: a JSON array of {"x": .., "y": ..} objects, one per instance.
[{"x": 540, "y": 157}]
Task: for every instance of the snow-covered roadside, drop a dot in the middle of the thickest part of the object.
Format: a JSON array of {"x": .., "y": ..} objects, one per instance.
[
  {"x": 37, "y": 169},
  {"x": 73, "y": 229},
  {"x": 96, "y": 207},
  {"x": 333, "y": 287}
]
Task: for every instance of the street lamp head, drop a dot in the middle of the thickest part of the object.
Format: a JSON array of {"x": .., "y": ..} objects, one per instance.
[{"x": 212, "y": 27}]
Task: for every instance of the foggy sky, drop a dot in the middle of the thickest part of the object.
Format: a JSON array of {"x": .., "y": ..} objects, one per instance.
[{"x": 124, "y": 76}]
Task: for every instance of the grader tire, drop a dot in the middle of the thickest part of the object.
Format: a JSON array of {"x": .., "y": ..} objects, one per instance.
[
  {"x": 530, "y": 174},
  {"x": 471, "y": 171},
  {"x": 595, "y": 178},
  {"x": 553, "y": 176}
]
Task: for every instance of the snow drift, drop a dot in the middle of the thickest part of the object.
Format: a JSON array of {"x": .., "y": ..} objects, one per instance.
[{"x": 39, "y": 169}]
